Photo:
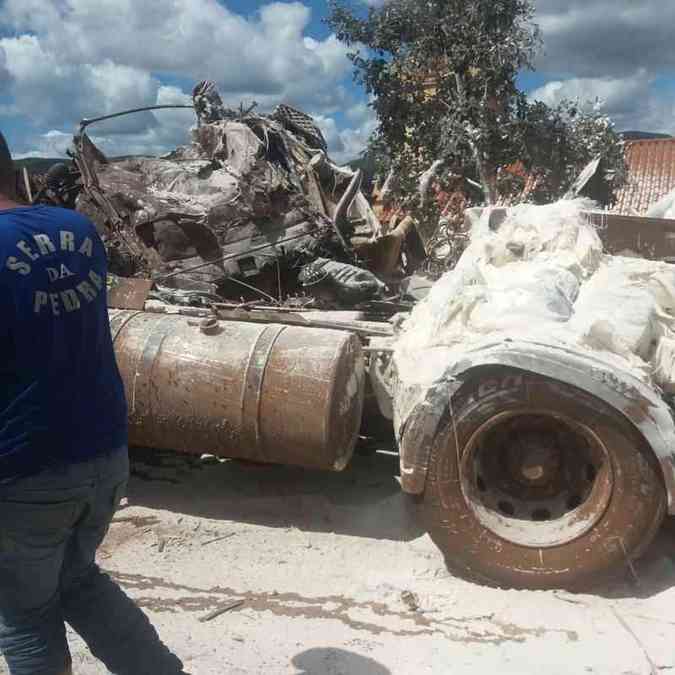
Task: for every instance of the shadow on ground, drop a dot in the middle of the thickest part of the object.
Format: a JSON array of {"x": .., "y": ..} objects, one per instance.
[
  {"x": 365, "y": 500},
  {"x": 325, "y": 661}
]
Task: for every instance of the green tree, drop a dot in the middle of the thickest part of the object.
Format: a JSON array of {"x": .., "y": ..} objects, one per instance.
[{"x": 443, "y": 76}]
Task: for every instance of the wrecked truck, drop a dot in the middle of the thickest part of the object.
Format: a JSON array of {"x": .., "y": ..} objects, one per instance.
[
  {"x": 529, "y": 393},
  {"x": 252, "y": 210}
]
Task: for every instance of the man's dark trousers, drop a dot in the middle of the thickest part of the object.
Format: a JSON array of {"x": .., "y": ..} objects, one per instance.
[{"x": 50, "y": 527}]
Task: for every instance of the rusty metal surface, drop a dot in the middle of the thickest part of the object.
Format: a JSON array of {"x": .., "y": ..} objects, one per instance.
[
  {"x": 267, "y": 393},
  {"x": 318, "y": 320},
  {"x": 128, "y": 293},
  {"x": 523, "y": 471},
  {"x": 651, "y": 175},
  {"x": 651, "y": 238}
]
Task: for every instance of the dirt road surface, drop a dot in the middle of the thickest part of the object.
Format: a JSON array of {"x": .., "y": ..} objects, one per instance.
[{"x": 331, "y": 575}]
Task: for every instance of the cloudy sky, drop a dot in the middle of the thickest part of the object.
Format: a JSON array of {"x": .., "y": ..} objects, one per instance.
[{"x": 62, "y": 60}]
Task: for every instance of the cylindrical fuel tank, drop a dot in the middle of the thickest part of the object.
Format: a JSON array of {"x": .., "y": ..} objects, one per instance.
[{"x": 267, "y": 393}]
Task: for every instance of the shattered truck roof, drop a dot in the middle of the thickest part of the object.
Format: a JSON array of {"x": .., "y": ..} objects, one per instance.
[{"x": 236, "y": 214}]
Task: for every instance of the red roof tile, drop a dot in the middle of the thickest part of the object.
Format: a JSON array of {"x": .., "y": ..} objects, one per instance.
[{"x": 651, "y": 175}]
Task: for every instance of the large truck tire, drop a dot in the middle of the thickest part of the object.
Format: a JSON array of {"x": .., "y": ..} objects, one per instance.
[{"x": 536, "y": 484}]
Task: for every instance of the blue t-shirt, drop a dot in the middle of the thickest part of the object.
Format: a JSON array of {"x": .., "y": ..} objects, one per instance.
[{"x": 61, "y": 396}]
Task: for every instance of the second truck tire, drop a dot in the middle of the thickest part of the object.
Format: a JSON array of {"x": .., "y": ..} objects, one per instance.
[{"x": 536, "y": 484}]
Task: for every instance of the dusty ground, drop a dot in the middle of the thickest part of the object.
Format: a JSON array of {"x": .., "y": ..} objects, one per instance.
[{"x": 336, "y": 578}]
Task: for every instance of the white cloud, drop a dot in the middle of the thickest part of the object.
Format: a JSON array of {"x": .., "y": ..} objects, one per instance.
[
  {"x": 592, "y": 38},
  {"x": 632, "y": 102},
  {"x": 618, "y": 94},
  {"x": 52, "y": 93},
  {"x": 9, "y": 110},
  {"x": 68, "y": 59},
  {"x": 4, "y": 73},
  {"x": 347, "y": 144},
  {"x": 361, "y": 113},
  {"x": 61, "y": 60},
  {"x": 198, "y": 39},
  {"x": 52, "y": 144},
  {"x": 331, "y": 52}
]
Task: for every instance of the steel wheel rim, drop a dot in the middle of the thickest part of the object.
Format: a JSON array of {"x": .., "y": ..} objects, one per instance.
[{"x": 534, "y": 488}]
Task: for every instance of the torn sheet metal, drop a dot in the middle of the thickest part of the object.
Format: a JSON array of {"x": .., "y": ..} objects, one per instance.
[{"x": 236, "y": 213}]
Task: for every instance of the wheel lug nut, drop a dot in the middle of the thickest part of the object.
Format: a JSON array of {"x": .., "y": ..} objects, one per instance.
[{"x": 533, "y": 472}]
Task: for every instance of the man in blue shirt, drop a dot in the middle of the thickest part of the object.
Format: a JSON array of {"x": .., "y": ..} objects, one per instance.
[{"x": 63, "y": 456}]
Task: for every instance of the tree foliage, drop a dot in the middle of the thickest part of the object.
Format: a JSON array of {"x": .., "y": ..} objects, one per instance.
[{"x": 443, "y": 77}]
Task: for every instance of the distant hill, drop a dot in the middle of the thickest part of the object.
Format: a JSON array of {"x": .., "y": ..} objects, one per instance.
[{"x": 642, "y": 135}]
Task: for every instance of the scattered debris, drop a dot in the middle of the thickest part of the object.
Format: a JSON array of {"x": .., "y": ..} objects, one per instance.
[
  {"x": 410, "y": 600},
  {"x": 229, "y": 535},
  {"x": 221, "y": 610}
]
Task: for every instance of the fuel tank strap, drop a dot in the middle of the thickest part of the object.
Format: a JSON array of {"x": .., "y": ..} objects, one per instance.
[{"x": 252, "y": 393}]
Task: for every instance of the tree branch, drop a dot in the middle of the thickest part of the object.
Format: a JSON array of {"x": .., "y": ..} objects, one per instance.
[
  {"x": 426, "y": 178},
  {"x": 486, "y": 174}
]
